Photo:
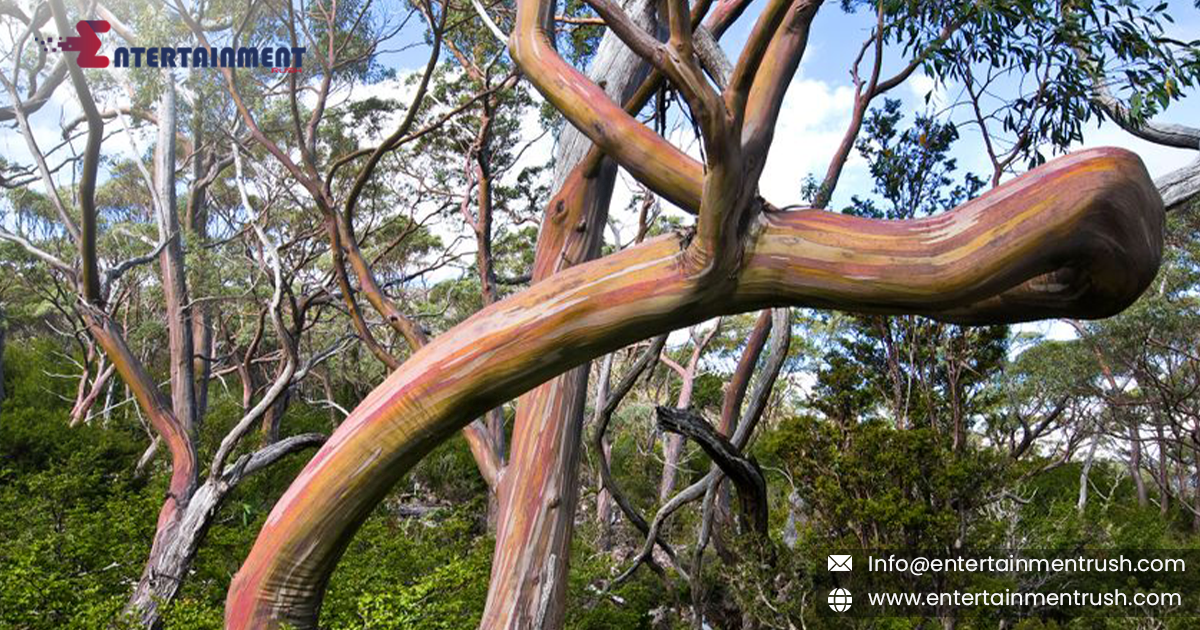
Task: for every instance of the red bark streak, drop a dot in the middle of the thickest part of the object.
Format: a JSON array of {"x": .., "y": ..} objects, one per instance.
[
  {"x": 540, "y": 488},
  {"x": 735, "y": 391}
]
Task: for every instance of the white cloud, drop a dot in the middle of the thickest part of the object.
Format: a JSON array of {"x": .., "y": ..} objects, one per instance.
[{"x": 812, "y": 121}]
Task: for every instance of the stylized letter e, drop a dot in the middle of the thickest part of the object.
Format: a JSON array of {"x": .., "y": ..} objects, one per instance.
[{"x": 88, "y": 44}]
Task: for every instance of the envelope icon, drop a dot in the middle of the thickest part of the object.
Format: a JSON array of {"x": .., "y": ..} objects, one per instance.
[{"x": 840, "y": 562}]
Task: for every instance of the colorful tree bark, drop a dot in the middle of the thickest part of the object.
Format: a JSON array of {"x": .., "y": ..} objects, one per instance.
[{"x": 1080, "y": 236}]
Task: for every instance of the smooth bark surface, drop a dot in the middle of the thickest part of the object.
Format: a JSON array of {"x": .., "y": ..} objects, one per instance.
[
  {"x": 174, "y": 282},
  {"x": 1080, "y": 236}
]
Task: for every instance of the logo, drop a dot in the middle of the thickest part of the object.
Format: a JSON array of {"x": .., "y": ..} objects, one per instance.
[
  {"x": 840, "y": 562},
  {"x": 839, "y": 600},
  {"x": 87, "y": 44},
  {"x": 279, "y": 59}
]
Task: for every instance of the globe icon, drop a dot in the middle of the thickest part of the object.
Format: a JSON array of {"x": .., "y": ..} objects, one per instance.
[{"x": 839, "y": 600}]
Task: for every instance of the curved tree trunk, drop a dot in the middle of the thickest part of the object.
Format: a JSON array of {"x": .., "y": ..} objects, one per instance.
[{"x": 1080, "y": 236}]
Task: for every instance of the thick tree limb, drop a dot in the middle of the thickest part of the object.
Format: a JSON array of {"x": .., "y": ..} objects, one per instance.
[
  {"x": 712, "y": 57},
  {"x": 620, "y": 71},
  {"x": 1080, "y": 236},
  {"x": 539, "y": 491},
  {"x": 772, "y": 76},
  {"x": 1166, "y": 134},
  {"x": 634, "y": 146}
]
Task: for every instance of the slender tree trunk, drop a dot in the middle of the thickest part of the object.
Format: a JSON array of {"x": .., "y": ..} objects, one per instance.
[
  {"x": 1164, "y": 471},
  {"x": 83, "y": 406},
  {"x": 172, "y": 554},
  {"x": 3, "y": 329},
  {"x": 731, "y": 408},
  {"x": 178, "y": 315},
  {"x": 1196, "y": 491},
  {"x": 604, "y": 504},
  {"x": 1135, "y": 465},
  {"x": 171, "y": 551},
  {"x": 184, "y": 469},
  {"x": 603, "y": 496},
  {"x": 673, "y": 442},
  {"x": 1084, "y": 475},
  {"x": 197, "y": 220},
  {"x": 538, "y": 491},
  {"x": 274, "y": 417}
]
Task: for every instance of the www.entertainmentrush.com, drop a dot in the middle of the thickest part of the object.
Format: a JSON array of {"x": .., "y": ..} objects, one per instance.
[{"x": 1037, "y": 600}]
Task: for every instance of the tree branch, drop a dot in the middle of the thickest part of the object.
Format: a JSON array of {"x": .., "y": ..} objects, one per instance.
[
  {"x": 251, "y": 463},
  {"x": 745, "y": 473}
]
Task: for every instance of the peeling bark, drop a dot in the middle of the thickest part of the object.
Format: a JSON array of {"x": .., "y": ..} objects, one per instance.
[
  {"x": 539, "y": 489},
  {"x": 1181, "y": 187},
  {"x": 176, "y": 547}
]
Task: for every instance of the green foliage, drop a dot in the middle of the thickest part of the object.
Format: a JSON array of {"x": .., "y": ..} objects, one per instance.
[
  {"x": 870, "y": 485},
  {"x": 75, "y": 524},
  {"x": 626, "y": 606},
  {"x": 414, "y": 574},
  {"x": 911, "y": 167}
]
